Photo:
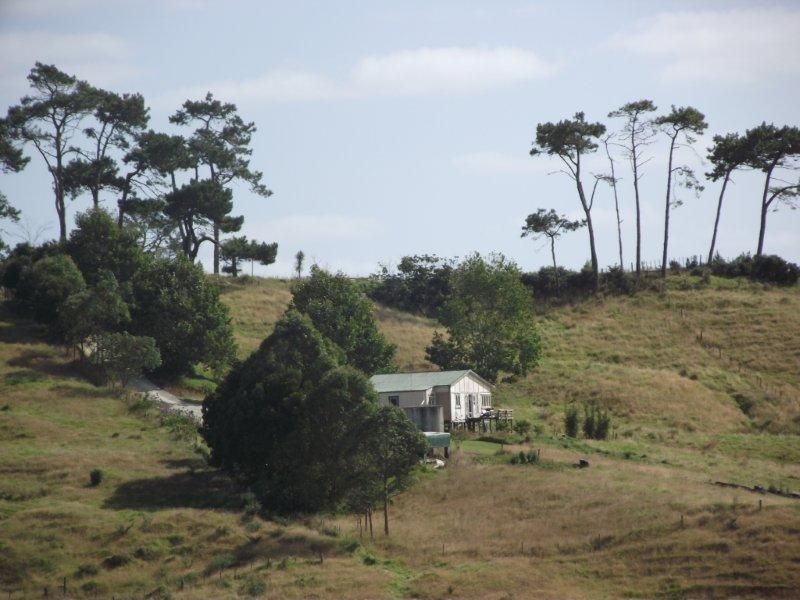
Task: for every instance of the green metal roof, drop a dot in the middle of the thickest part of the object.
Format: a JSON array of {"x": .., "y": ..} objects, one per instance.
[{"x": 412, "y": 382}]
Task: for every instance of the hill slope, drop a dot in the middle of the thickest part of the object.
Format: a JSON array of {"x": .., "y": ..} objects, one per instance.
[{"x": 643, "y": 520}]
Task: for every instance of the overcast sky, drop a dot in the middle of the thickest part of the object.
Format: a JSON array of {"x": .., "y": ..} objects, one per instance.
[{"x": 403, "y": 127}]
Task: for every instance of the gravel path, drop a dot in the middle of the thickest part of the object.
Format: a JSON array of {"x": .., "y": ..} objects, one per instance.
[{"x": 175, "y": 404}]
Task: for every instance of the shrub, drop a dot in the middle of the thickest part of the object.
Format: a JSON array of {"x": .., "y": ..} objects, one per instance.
[
  {"x": 116, "y": 560},
  {"x": 177, "y": 306},
  {"x": 589, "y": 422},
  {"x": 44, "y": 287},
  {"x": 522, "y": 426},
  {"x": 571, "y": 421},
  {"x": 124, "y": 356},
  {"x": 86, "y": 570},
  {"x": 340, "y": 312},
  {"x": 773, "y": 269},
  {"x": 95, "y": 477},
  {"x": 602, "y": 425},
  {"x": 253, "y": 586},
  {"x": 674, "y": 266}
]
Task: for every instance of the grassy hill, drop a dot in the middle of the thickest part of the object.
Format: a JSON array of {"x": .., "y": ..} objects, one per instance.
[{"x": 644, "y": 520}]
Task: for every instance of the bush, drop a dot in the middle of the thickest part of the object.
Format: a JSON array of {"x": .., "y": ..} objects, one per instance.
[
  {"x": 422, "y": 284},
  {"x": 525, "y": 458},
  {"x": 95, "y": 477},
  {"x": 124, "y": 356},
  {"x": 674, "y": 266},
  {"x": 522, "y": 427},
  {"x": 571, "y": 421},
  {"x": 341, "y": 313},
  {"x": 253, "y": 587},
  {"x": 44, "y": 287},
  {"x": 177, "y": 306},
  {"x": 773, "y": 269},
  {"x": 588, "y": 422}
]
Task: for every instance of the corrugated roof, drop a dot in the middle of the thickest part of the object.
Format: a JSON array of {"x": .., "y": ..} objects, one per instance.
[{"x": 411, "y": 382}]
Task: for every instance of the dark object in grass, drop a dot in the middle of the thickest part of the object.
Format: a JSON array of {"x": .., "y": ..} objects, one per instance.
[
  {"x": 95, "y": 477},
  {"x": 581, "y": 464}
]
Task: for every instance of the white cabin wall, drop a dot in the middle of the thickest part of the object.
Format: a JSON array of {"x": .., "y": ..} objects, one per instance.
[
  {"x": 415, "y": 398},
  {"x": 469, "y": 384}
]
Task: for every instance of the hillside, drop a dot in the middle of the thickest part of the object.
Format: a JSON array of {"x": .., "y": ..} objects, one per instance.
[{"x": 643, "y": 521}]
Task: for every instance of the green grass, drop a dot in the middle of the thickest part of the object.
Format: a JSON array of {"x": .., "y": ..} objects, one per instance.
[{"x": 642, "y": 521}]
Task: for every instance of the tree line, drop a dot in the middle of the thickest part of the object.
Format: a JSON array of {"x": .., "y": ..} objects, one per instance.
[
  {"x": 772, "y": 150},
  {"x": 173, "y": 191}
]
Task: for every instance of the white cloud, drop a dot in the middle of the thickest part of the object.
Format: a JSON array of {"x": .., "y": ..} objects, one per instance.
[
  {"x": 321, "y": 228},
  {"x": 409, "y": 72},
  {"x": 100, "y": 58},
  {"x": 738, "y": 46},
  {"x": 428, "y": 70}
]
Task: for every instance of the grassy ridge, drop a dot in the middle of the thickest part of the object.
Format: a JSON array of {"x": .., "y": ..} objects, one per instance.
[{"x": 642, "y": 521}]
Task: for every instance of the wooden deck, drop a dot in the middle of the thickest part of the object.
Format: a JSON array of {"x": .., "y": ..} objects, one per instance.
[{"x": 486, "y": 422}]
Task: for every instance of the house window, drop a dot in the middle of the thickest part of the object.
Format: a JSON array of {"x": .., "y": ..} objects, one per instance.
[
  {"x": 458, "y": 400},
  {"x": 486, "y": 400},
  {"x": 394, "y": 400}
]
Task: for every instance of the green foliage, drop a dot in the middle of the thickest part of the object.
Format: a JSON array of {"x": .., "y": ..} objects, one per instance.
[
  {"x": 92, "y": 311},
  {"x": 596, "y": 423},
  {"x": 247, "y": 420},
  {"x": 571, "y": 421},
  {"x": 124, "y": 356},
  {"x": 95, "y": 477},
  {"x": 489, "y": 321},
  {"x": 525, "y": 458},
  {"x": 45, "y": 286},
  {"x": 98, "y": 245},
  {"x": 175, "y": 304},
  {"x": 522, "y": 427},
  {"x": 236, "y": 249},
  {"x": 420, "y": 285},
  {"x": 340, "y": 312}
]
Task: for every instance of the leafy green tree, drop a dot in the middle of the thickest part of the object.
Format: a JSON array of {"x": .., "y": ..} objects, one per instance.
[
  {"x": 260, "y": 403},
  {"x": 49, "y": 119},
  {"x": 119, "y": 118},
  {"x": 298, "y": 263},
  {"x": 489, "y": 321},
  {"x": 175, "y": 304},
  {"x": 393, "y": 446},
  {"x": 680, "y": 126},
  {"x": 44, "y": 287},
  {"x": 152, "y": 164},
  {"x": 551, "y": 225},
  {"x": 340, "y": 312},
  {"x": 773, "y": 148},
  {"x": 221, "y": 143},
  {"x": 570, "y": 140},
  {"x": 637, "y": 133},
  {"x": 90, "y": 312},
  {"x": 420, "y": 285},
  {"x": 729, "y": 152},
  {"x": 11, "y": 161},
  {"x": 236, "y": 249},
  {"x": 200, "y": 209},
  {"x": 97, "y": 245},
  {"x": 124, "y": 356}
]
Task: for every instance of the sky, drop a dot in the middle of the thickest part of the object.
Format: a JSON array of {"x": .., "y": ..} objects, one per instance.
[{"x": 389, "y": 128}]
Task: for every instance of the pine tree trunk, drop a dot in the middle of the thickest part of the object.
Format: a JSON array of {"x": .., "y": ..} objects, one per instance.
[
  {"x": 587, "y": 211},
  {"x": 553, "y": 252},
  {"x": 616, "y": 205},
  {"x": 762, "y": 230},
  {"x": 666, "y": 211},
  {"x": 216, "y": 249},
  {"x": 638, "y": 211},
  {"x": 716, "y": 220}
]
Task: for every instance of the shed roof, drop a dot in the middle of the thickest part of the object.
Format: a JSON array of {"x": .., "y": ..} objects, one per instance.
[{"x": 412, "y": 382}]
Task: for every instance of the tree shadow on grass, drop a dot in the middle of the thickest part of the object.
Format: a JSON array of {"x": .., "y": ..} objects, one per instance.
[
  {"x": 189, "y": 489},
  {"x": 19, "y": 330},
  {"x": 45, "y": 363}
]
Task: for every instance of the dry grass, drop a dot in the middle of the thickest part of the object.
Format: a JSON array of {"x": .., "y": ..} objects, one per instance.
[
  {"x": 257, "y": 303},
  {"x": 642, "y": 522}
]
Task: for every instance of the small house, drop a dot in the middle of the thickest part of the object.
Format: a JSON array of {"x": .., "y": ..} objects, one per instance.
[{"x": 461, "y": 395}]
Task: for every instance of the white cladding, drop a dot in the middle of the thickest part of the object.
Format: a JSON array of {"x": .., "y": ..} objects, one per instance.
[
  {"x": 416, "y": 398},
  {"x": 469, "y": 395}
]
